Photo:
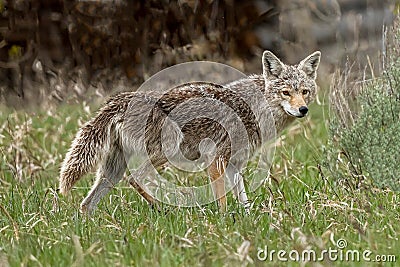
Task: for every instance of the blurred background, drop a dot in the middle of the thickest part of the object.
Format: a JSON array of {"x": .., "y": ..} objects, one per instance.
[{"x": 65, "y": 51}]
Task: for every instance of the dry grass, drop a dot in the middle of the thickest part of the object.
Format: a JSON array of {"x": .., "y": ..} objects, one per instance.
[{"x": 298, "y": 208}]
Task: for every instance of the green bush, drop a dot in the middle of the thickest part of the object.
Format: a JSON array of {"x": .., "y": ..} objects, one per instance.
[{"x": 365, "y": 130}]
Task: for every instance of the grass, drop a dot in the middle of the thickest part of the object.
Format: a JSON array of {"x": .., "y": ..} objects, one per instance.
[{"x": 299, "y": 208}]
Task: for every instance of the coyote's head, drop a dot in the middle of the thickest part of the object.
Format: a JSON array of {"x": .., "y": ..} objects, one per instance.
[{"x": 292, "y": 86}]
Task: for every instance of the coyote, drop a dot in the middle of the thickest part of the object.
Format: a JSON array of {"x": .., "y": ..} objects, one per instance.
[{"x": 121, "y": 126}]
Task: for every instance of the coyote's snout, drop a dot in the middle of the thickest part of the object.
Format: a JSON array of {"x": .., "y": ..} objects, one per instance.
[
  {"x": 117, "y": 129},
  {"x": 294, "y": 104}
]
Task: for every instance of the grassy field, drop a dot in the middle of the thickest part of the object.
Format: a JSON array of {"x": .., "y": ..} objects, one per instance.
[{"x": 299, "y": 209}]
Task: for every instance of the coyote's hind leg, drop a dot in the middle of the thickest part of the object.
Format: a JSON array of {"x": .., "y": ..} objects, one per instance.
[
  {"x": 142, "y": 192},
  {"x": 136, "y": 178},
  {"x": 109, "y": 174}
]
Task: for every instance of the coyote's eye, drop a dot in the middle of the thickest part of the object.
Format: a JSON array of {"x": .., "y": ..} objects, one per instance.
[
  {"x": 305, "y": 91},
  {"x": 285, "y": 92}
]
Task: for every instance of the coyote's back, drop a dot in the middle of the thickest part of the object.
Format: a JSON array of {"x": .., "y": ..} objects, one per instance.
[{"x": 237, "y": 117}]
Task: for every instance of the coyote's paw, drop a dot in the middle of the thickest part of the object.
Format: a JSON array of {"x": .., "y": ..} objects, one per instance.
[{"x": 86, "y": 208}]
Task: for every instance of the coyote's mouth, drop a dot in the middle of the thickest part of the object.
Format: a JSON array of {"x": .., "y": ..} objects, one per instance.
[
  {"x": 291, "y": 111},
  {"x": 293, "y": 115}
]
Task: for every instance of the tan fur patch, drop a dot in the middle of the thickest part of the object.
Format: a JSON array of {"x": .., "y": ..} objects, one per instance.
[{"x": 296, "y": 101}]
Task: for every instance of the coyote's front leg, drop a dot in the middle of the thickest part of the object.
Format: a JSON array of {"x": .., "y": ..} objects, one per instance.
[
  {"x": 216, "y": 172},
  {"x": 240, "y": 192}
]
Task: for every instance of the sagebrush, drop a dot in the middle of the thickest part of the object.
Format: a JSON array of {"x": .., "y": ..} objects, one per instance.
[{"x": 364, "y": 132}]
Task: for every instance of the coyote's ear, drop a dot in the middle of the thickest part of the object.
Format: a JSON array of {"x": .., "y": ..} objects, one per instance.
[
  {"x": 310, "y": 64},
  {"x": 271, "y": 64}
]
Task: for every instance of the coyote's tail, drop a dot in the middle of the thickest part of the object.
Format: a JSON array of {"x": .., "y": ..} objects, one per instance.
[{"x": 90, "y": 144}]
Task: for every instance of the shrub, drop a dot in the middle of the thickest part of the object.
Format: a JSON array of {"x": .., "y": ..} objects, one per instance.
[{"x": 364, "y": 140}]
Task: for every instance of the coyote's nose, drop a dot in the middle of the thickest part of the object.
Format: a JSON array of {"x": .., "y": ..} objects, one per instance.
[{"x": 303, "y": 110}]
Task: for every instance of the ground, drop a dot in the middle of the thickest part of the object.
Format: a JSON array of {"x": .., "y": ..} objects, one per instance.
[{"x": 299, "y": 208}]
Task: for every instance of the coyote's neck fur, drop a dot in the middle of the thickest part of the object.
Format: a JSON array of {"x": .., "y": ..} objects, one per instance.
[{"x": 280, "y": 118}]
